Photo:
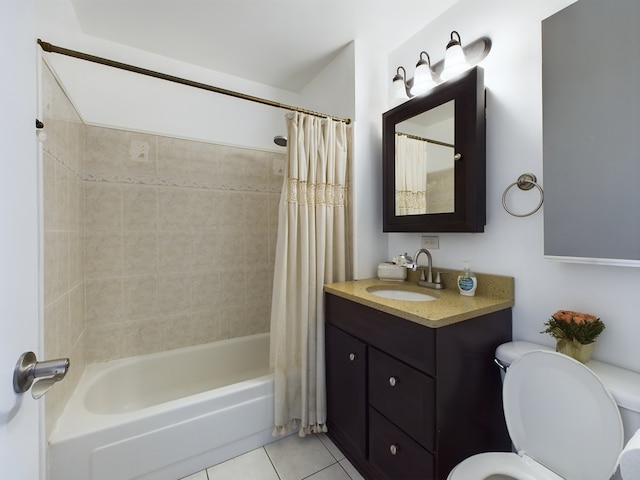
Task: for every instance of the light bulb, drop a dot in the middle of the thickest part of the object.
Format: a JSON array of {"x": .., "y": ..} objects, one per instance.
[
  {"x": 422, "y": 79},
  {"x": 454, "y": 59},
  {"x": 399, "y": 86}
]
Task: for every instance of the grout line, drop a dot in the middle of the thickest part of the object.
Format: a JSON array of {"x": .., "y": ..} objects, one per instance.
[
  {"x": 345, "y": 471},
  {"x": 318, "y": 471},
  {"x": 272, "y": 464},
  {"x": 336, "y": 461}
]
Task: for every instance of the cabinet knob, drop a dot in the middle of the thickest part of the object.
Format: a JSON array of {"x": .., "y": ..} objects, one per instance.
[
  {"x": 393, "y": 449},
  {"x": 352, "y": 357},
  {"x": 393, "y": 381}
]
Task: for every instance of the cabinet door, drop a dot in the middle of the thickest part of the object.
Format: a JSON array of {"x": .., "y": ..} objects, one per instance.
[
  {"x": 404, "y": 395},
  {"x": 395, "y": 454},
  {"x": 346, "y": 362}
]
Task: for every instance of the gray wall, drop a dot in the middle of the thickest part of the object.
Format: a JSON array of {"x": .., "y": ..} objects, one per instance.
[{"x": 591, "y": 134}]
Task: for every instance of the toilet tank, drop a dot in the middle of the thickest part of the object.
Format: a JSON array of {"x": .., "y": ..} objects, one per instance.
[
  {"x": 508, "y": 352},
  {"x": 624, "y": 385}
]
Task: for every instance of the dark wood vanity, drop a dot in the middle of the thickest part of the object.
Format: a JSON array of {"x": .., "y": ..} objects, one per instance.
[{"x": 406, "y": 401}]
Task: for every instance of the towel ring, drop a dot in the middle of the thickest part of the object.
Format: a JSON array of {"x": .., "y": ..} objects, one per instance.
[{"x": 526, "y": 181}]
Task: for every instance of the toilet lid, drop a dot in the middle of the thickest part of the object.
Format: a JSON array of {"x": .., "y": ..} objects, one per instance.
[{"x": 559, "y": 413}]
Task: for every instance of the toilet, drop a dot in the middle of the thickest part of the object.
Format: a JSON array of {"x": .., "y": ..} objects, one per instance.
[{"x": 563, "y": 422}]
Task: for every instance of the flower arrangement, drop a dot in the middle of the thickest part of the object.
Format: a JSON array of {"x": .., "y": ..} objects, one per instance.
[{"x": 574, "y": 327}]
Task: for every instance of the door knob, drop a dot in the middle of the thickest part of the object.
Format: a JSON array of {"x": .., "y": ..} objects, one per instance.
[{"x": 28, "y": 370}]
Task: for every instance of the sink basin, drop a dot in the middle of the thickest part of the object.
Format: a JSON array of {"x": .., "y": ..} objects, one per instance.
[{"x": 398, "y": 294}]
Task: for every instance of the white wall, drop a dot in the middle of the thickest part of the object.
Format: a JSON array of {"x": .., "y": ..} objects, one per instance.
[
  {"x": 370, "y": 244},
  {"x": 114, "y": 98},
  {"x": 332, "y": 91},
  {"x": 514, "y": 246}
]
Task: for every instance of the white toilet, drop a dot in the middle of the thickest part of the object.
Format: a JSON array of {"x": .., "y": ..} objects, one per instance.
[{"x": 563, "y": 422}]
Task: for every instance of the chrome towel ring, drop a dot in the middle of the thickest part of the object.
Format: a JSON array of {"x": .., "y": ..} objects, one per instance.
[{"x": 526, "y": 181}]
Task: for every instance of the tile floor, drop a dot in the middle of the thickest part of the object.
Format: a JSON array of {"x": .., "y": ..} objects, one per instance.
[{"x": 314, "y": 457}]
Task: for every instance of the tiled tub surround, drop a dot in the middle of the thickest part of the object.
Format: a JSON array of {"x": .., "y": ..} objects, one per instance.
[
  {"x": 150, "y": 243},
  {"x": 179, "y": 239},
  {"x": 63, "y": 210}
]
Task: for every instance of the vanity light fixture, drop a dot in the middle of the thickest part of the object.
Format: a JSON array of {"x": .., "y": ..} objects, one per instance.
[
  {"x": 399, "y": 85},
  {"x": 423, "y": 78},
  {"x": 455, "y": 61}
]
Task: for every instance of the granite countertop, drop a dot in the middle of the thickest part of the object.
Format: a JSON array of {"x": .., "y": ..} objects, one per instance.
[{"x": 494, "y": 293}]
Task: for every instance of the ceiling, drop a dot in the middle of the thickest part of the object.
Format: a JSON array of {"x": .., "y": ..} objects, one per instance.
[{"x": 281, "y": 43}]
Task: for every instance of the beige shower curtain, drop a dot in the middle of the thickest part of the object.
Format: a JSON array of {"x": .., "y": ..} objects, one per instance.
[
  {"x": 411, "y": 175},
  {"x": 313, "y": 248}
]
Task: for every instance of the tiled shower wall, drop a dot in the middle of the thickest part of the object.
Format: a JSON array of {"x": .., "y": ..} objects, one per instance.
[
  {"x": 150, "y": 243},
  {"x": 179, "y": 241},
  {"x": 440, "y": 196},
  {"x": 63, "y": 211}
]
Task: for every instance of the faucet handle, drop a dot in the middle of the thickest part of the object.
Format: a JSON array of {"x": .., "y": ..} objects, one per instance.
[
  {"x": 404, "y": 260},
  {"x": 422, "y": 277},
  {"x": 438, "y": 279}
]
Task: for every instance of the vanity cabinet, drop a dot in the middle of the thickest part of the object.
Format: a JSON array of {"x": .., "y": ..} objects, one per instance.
[{"x": 405, "y": 401}]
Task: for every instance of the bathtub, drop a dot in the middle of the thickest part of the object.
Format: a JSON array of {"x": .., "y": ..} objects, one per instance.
[{"x": 166, "y": 415}]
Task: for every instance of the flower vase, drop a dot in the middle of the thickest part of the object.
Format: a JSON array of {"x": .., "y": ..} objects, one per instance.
[{"x": 576, "y": 350}]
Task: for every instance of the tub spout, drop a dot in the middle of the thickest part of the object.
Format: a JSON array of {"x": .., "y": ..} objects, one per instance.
[{"x": 42, "y": 375}]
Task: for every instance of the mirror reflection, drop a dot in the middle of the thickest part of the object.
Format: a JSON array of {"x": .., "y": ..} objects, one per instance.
[{"x": 424, "y": 162}]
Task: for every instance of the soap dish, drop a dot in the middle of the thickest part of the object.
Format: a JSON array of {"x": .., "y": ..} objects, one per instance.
[{"x": 391, "y": 271}]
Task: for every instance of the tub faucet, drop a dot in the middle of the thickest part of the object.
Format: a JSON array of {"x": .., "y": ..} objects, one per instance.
[{"x": 428, "y": 281}]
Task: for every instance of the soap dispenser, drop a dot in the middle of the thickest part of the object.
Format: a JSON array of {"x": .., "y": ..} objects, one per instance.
[{"x": 467, "y": 281}]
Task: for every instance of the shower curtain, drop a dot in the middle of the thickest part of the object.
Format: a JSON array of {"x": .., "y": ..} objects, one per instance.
[
  {"x": 313, "y": 248},
  {"x": 411, "y": 175}
]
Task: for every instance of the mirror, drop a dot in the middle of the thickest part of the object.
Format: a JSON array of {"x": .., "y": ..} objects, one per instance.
[
  {"x": 424, "y": 162},
  {"x": 434, "y": 159}
]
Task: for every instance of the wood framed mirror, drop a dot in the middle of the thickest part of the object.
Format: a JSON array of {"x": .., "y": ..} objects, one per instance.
[{"x": 434, "y": 159}]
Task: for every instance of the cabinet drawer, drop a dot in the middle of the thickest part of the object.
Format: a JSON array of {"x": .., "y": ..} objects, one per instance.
[
  {"x": 403, "y": 395},
  {"x": 405, "y": 340},
  {"x": 346, "y": 362},
  {"x": 394, "y": 453}
]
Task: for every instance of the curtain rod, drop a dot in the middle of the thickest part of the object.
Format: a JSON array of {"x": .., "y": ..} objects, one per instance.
[
  {"x": 428, "y": 140},
  {"x": 48, "y": 47}
]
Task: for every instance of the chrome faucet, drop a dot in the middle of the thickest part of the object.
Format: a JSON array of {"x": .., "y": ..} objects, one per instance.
[{"x": 428, "y": 281}]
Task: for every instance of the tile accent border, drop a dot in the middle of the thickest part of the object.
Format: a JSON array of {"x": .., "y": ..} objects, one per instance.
[{"x": 159, "y": 180}]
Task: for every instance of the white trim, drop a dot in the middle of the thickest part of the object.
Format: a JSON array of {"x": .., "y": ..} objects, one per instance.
[
  {"x": 618, "y": 262},
  {"x": 39, "y": 139}
]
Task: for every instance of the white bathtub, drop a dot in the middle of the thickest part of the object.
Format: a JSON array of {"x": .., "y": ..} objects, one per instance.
[{"x": 166, "y": 415}]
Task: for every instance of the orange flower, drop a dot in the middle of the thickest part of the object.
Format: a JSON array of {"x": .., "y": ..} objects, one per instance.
[
  {"x": 570, "y": 316},
  {"x": 564, "y": 315}
]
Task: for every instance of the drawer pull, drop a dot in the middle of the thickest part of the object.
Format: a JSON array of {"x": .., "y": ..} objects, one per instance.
[
  {"x": 393, "y": 449},
  {"x": 352, "y": 357},
  {"x": 393, "y": 381}
]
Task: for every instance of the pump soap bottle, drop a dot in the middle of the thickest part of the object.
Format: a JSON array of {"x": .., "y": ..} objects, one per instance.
[{"x": 467, "y": 281}]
